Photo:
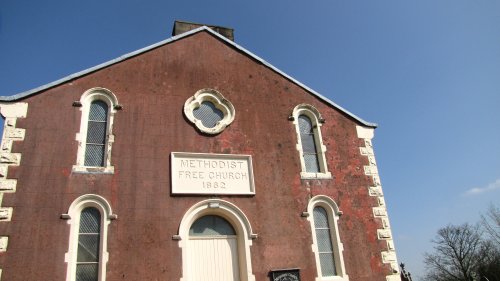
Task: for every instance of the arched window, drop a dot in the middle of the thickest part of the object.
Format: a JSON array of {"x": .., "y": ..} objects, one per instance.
[
  {"x": 326, "y": 241},
  {"x": 308, "y": 141},
  {"x": 308, "y": 123},
  {"x": 89, "y": 216},
  {"x": 98, "y": 106},
  {"x": 211, "y": 226},
  {"x": 215, "y": 237},
  {"x": 96, "y": 134},
  {"x": 89, "y": 236}
]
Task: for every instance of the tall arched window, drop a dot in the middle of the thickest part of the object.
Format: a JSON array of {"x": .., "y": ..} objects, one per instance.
[
  {"x": 309, "y": 150},
  {"x": 95, "y": 139},
  {"x": 96, "y": 134},
  {"x": 324, "y": 240},
  {"x": 89, "y": 216},
  {"x": 308, "y": 123},
  {"x": 89, "y": 236},
  {"x": 327, "y": 246}
]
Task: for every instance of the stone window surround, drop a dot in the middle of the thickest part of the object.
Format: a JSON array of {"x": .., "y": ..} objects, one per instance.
[
  {"x": 218, "y": 101},
  {"x": 334, "y": 214},
  {"x": 232, "y": 214},
  {"x": 317, "y": 121},
  {"x": 73, "y": 217},
  {"x": 87, "y": 98}
]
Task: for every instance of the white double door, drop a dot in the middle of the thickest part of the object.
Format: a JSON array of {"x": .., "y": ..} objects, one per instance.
[{"x": 214, "y": 258}]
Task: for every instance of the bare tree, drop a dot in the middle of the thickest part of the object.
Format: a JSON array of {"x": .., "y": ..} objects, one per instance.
[
  {"x": 456, "y": 254},
  {"x": 489, "y": 269},
  {"x": 467, "y": 252},
  {"x": 491, "y": 223}
]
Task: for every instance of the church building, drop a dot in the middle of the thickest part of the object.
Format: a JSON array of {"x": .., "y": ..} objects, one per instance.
[{"x": 192, "y": 159}]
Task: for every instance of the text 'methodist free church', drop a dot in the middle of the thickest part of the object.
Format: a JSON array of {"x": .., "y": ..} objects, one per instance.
[{"x": 192, "y": 159}]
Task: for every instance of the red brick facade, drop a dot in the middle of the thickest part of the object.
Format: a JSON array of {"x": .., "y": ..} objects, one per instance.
[{"x": 152, "y": 87}]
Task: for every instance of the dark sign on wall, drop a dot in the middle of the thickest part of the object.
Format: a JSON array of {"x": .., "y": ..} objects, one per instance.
[{"x": 285, "y": 275}]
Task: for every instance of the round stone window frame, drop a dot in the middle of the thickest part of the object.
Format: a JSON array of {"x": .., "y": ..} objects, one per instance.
[{"x": 218, "y": 100}]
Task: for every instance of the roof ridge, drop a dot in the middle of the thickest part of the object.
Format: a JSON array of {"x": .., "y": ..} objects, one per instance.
[{"x": 173, "y": 39}]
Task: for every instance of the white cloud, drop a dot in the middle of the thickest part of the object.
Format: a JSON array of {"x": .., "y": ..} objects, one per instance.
[{"x": 490, "y": 187}]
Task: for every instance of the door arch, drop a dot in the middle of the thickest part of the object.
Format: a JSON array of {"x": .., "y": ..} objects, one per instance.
[{"x": 215, "y": 224}]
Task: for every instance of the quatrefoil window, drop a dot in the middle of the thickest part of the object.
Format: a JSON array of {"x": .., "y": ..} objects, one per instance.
[
  {"x": 209, "y": 111},
  {"x": 208, "y": 114}
]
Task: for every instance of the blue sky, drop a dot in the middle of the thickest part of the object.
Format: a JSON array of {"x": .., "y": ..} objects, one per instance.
[{"x": 427, "y": 71}]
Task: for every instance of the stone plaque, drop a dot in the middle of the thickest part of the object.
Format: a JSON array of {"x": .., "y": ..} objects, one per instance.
[
  {"x": 285, "y": 275},
  {"x": 201, "y": 173}
]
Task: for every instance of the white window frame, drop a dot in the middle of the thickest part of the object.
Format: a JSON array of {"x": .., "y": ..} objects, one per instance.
[
  {"x": 73, "y": 217},
  {"x": 233, "y": 215},
  {"x": 86, "y": 100},
  {"x": 317, "y": 121},
  {"x": 218, "y": 100},
  {"x": 333, "y": 214}
]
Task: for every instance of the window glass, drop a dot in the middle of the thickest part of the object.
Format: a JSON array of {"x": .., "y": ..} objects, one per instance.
[
  {"x": 96, "y": 134},
  {"x": 324, "y": 241},
  {"x": 208, "y": 114},
  {"x": 211, "y": 226},
  {"x": 87, "y": 262},
  {"x": 308, "y": 141}
]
